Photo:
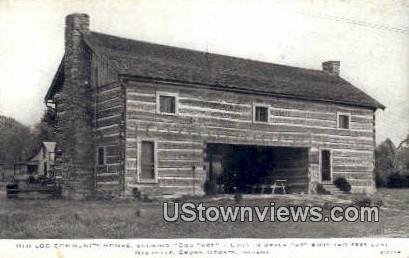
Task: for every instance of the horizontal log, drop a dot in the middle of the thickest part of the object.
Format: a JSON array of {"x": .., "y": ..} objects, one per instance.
[
  {"x": 101, "y": 97},
  {"x": 205, "y": 124},
  {"x": 180, "y": 173},
  {"x": 133, "y": 124},
  {"x": 109, "y": 87},
  {"x": 113, "y": 150},
  {"x": 114, "y": 168},
  {"x": 352, "y": 153},
  {"x": 109, "y": 140},
  {"x": 110, "y": 103},
  {"x": 172, "y": 155},
  {"x": 111, "y": 120},
  {"x": 186, "y": 111},
  {"x": 108, "y": 130},
  {"x": 113, "y": 159},
  {"x": 109, "y": 183},
  {"x": 303, "y": 122},
  {"x": 135, "y": 97},
  {"x": 353, "y": 175},
  {"x": 348, "y": 168},
  {"x": 365, "y": 182},
  {"x": 108, "y": 177},
  {"x": 180, "y": 145},
  {"x": 186, "y": 182},
  {"x": 177, "y": 163},
  {"x": 216, "y": 105},
  {"x": 240, "y": 98},
  {"x": 265, "y": 137},
  {"x": 110, "y": 112}
]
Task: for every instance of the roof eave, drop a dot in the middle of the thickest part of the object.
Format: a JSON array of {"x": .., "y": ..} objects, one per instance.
[{"x": 51, "y": 89}]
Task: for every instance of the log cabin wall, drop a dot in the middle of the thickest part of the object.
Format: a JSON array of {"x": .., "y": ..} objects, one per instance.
[
  {"x": 218, "y": 116},
  {"x": 109, "y": 122},
  {"x": 292, "y": 165}
]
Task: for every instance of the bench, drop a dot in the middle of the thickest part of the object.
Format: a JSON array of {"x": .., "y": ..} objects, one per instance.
[{"x": 278, "y": 184}]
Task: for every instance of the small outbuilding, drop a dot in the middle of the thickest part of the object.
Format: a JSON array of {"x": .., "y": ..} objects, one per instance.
[{"x": 43, "y": 162}]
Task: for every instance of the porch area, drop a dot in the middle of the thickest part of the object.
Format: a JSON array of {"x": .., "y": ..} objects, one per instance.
[{"x": 254, "y": 169}]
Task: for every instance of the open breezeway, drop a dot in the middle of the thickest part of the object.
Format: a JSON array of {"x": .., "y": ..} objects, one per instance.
[{"x": 255, "y": 169}]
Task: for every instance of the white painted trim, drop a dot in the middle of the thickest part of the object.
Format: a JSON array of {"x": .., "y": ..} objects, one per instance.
[
  {"x": 255, "y": 104},
  {"x": 155, "y": 161},
  {"x": 170, "y": 94},
  {"x": 330, "y": 163},
  {"x": 349, "y": 120}
]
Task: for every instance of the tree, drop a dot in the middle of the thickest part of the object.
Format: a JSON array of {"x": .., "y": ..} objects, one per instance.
[
  {"x": 384, "y": 162},
  {"x": 392, "y": 164},
  {"x": 16, "y": 141},
  {"x": 44, "y": 131},
  {"x": 402, "y": 157}
]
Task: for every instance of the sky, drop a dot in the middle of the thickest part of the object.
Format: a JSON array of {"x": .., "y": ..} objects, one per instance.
[{"x": 369, "y": 37}]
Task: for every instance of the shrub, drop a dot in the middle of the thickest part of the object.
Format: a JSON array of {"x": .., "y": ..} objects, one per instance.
[
  {"x": 210, "y": 187},
  {"x": 363, "y": 202},
  {"x": 398, "y": 179},
  {"x": 366, "y": 201},
  {"x": 318, "y": 188},
  {"x": 395, "y": 180},
  {"x": 136, "y": 193},
  {"x": 384, "y": 162},
  {"x": 377, "y": 202},
  {"x": 321, "y": 189},
  {"x": 342, "y": 184}
]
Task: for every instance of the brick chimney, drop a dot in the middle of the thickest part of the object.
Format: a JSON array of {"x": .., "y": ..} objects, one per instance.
[
  {"x": 331, "y": 67},
  {"x": 75, "y": 138}
]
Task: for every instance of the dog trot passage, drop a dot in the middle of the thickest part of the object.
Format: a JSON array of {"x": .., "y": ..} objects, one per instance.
[{"x": 134, "y": 116}]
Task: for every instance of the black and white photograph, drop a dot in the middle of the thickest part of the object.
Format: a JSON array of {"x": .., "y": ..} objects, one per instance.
[{"x": 207, "y": 128}]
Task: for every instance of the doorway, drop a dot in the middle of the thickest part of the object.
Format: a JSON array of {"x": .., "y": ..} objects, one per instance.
[
  {"x": 238, "y": 168},
  {"x": 325, "y": 165}
]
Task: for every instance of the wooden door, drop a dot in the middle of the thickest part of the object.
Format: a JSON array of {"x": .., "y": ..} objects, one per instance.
[
  {"x": 147, "y": 160},
  {"x": 325, "y": 165}
]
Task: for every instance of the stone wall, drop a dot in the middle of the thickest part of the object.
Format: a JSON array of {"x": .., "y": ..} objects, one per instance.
[{"x": 74, "y": 105}]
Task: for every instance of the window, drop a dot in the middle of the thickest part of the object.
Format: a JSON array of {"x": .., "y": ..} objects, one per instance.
[
  {"x": 167, "y": 103},
  {"x": 147, "y": 161},
  {"x": 260, "y": 113},
  {"x": 343, "y": 121},
  {"x": 101, "y": 156}
]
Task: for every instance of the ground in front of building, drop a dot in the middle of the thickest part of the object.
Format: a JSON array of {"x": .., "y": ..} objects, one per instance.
[{"x": 24, "y": 218}]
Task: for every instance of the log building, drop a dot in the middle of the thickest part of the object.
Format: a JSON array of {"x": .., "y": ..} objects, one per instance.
[{"x": 136, "y": 116}]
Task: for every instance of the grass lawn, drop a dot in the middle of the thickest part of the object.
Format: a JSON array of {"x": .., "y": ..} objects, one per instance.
[{"x": 24, "y": 218}]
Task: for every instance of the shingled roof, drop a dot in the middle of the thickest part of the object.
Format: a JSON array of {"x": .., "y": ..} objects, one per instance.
[{"x": 138, "y": 58}]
